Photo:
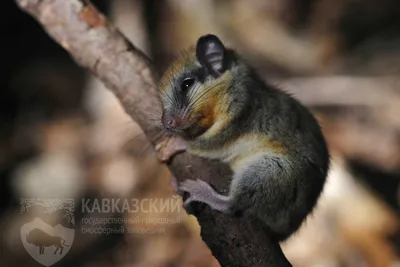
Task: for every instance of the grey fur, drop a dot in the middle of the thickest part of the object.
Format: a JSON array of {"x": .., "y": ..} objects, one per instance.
[{"x": 280, "y": 189}]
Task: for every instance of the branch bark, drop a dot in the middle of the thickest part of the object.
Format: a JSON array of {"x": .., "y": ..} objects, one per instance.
[{"x": 126, "y": 71}]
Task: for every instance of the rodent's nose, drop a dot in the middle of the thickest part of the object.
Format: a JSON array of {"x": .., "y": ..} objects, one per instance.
[{"x": 170, "y": 122}]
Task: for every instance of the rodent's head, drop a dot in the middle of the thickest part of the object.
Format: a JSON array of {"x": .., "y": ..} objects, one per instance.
[{"x": 194, "y": 89}]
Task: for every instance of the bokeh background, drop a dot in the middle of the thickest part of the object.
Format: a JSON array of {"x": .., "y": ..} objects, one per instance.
[{"x": 63, "y": 134}]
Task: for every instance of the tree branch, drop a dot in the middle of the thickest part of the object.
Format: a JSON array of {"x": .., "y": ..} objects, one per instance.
[{"x": 126, "y": 71}]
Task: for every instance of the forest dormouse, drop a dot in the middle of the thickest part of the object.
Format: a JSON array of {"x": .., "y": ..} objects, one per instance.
[{"x": 222, "y": 109}]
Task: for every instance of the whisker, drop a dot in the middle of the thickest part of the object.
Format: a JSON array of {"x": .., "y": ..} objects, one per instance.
[
  {"x": 167, "y": 98},
  {"x": 200, "y": 97}
]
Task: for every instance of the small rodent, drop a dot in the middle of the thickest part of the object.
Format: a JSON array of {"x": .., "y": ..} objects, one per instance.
[{"x": 224, "y": 111}]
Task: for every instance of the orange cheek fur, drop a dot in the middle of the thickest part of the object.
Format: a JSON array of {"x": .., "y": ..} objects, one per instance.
[
  {"x": 208, "y": 111},
  {"x": 207, "y": 120}
]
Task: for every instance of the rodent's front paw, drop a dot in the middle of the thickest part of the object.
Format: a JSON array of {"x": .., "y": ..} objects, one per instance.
[{"x": 169, "y": 148}]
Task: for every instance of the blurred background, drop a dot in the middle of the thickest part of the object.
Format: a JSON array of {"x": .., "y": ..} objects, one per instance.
[{"x": 64, "y": 135}]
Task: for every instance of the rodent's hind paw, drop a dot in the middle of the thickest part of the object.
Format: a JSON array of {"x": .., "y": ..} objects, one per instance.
[
  {"x": 190, "y": 209},
  {"x": 188, "y": 202},
  {"x": 198, "y": 190},
  {"x": 201, "y": 191},
  {"x": 191, "y": 187}
]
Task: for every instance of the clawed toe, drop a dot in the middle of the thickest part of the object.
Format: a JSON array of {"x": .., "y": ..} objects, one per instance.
[
  {"x": 187, "y": 185},
  {"x": 188, "y": 202},
  {"x": 201, "y": 191}
]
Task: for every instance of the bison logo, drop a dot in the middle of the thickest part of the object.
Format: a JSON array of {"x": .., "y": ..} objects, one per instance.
[
  {"x": 49, "y": 235},
  {"x": 41, "y": 239}
]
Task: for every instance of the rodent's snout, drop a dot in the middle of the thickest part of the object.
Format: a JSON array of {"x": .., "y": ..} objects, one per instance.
[{"x": 171, "y": 121}]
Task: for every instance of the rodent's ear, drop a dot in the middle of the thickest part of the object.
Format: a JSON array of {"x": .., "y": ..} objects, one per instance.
[{"x": 211, "y": 54}]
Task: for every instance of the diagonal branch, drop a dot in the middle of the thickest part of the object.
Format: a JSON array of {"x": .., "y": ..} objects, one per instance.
[{"x": 126, "y": 71}]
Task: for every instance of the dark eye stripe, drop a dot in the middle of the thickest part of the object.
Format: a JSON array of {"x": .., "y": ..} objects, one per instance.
[
  {"x": 200, "y": 74},
  {"x": 187, "y": 83}
]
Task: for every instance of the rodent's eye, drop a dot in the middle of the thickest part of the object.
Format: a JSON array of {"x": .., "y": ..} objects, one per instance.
[{"x": 187, "y": 83}]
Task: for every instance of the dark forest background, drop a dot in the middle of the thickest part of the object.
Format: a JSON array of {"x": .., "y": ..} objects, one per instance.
[{"x": 62, "y": 134}]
